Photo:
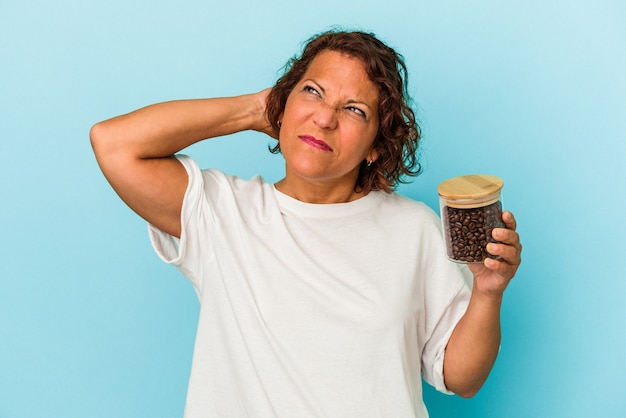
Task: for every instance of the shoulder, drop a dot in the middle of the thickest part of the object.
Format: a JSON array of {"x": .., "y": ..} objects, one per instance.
[
  {"x": 223, "y": 192},
  {"x": 217, "y": 180},
  {"x": 401, "y": 204},
  {"x": 214, "y": 180},
  {"x": 407, "y": 216}
]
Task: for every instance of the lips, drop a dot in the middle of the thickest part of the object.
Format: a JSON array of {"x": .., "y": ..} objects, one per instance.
[{"x": 315, "y": 143}]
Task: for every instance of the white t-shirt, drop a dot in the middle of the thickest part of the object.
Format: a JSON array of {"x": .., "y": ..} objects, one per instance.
[{"x": 311, "y": 310}]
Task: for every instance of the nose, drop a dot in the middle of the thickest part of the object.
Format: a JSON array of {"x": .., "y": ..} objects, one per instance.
[{"x": 325, "y": 116}]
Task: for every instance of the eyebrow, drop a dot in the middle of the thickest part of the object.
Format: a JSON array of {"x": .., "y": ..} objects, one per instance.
[
  {"x": 359, "y": 102},
  {"x": 350, "y": 101}
]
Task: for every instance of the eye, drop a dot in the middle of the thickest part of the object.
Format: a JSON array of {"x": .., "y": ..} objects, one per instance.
[
  {"x": 356, "y": 110},
  {"x": 310, "y": 89}
]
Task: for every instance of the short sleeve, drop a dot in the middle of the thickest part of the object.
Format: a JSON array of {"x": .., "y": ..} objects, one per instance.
[
  {"x": 185, "y": 253},
  {"x": 435, "y": 348},
  {"x": 446, "y": 298}
]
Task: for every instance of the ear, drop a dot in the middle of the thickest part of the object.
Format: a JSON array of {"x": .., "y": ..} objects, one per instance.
[{"x": 372, "y": 155}]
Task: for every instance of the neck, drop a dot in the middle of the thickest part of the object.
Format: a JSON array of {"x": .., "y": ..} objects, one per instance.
[{"x": 318, "y": 192}]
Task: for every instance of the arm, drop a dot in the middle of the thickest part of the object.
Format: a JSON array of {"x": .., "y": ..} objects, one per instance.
[
  {"x": 475, "y": 341},
  {"x": 135, "y": 151}
]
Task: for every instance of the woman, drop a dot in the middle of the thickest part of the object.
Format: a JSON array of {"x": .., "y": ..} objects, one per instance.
[{"x": 325, "y": 294}]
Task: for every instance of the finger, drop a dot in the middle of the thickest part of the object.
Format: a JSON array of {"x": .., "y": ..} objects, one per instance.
[
  {"x": 509, "y": 220},
  {"x": 506, "y": 236},
  {"x": 510, "y": 254},
  {"x": 503, "y": 269},
  {"x": 506, "y": 263}
]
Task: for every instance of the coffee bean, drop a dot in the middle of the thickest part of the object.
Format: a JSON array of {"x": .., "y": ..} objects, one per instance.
[{"x": 469, "y": 230}]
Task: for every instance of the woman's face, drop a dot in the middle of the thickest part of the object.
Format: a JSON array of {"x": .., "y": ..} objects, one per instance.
[{"x": 330, "y": 121}]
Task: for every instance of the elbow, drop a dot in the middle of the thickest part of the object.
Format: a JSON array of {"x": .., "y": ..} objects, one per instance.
[
  {"x": 105, "y": 146},
  {"x": 105, "y": 142},
  {"x": 97, "y": 136},
  {"x": 468, "y": 393},
  {"x": 467, "y": 389}
]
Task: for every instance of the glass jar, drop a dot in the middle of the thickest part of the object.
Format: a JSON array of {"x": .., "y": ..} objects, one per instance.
[{"x": 470, "y": 210}]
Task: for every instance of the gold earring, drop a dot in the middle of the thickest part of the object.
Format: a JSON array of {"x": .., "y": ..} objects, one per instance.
[{"x": 369, "y": 163}]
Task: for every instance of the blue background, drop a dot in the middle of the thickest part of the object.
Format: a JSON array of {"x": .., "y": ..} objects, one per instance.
[{"x": 93, "y": 324}]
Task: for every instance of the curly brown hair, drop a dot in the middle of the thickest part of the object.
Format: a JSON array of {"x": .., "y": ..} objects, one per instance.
[{"x": 398, "y": 134}]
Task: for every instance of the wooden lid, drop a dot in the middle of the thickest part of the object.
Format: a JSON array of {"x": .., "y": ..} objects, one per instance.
[{"x": 474, "y": 186}]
